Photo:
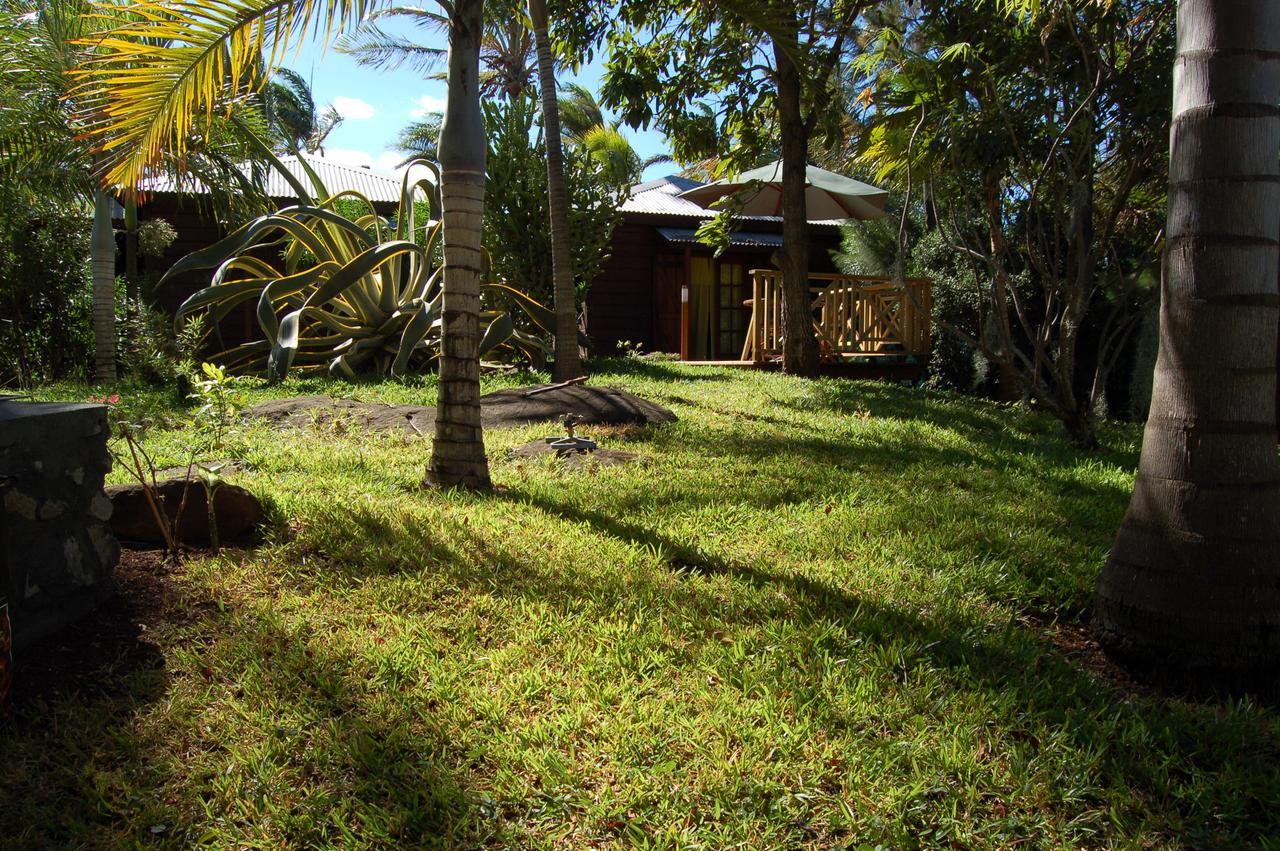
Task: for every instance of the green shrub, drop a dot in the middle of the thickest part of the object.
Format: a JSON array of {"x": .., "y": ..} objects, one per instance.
[{"x": 45, "y": 308}]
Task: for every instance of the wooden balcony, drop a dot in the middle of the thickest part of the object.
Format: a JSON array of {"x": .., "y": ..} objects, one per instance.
[{"x": 855, "y": 317}]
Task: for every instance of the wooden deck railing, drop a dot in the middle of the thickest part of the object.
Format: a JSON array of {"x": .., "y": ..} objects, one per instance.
[{"x": 853, "y": 315}]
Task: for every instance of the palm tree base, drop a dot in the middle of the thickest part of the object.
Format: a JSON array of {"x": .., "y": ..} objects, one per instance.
[{"x": 1188, "y": 626}]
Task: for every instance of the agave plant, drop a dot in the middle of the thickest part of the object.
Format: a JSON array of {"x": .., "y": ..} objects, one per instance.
[{"x": 357, "y": 295}]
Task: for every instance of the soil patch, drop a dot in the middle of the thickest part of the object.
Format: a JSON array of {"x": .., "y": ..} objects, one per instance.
[
  {"x": 590, "y": 405},
  {"x": 92, "y": 654}
]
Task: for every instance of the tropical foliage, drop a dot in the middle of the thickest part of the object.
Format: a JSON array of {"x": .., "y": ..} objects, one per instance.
[
  {"x": 1037, "y": 140},
  {"x": 515, "y": 226},
  {"x": 353, "y": 295},
  {"x": 44, "y": 291}
]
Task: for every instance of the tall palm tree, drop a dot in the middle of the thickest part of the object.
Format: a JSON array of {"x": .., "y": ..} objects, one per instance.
[
  {"x": 183, "y": 58},
  {"x": 457, "y": 457},
  {"x": 505, "y": 54},
  {"x": 568, "y": 364},
  {"x": 1193, "y": 581}
]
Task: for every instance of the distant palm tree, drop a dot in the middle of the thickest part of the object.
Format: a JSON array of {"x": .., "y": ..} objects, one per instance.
[
  {"x": 292, "y": 117},
  {"x": 568, "y": 363},
  {"x": 585, "y": 126},
  {"x": 420, "y": 138}
]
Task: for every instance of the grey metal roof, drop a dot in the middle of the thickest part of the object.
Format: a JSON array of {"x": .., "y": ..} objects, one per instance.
[
  {"x": 337, "y": 177},
  {"x": 742, "y": 239},
  {"x": 661, "y": 198}
]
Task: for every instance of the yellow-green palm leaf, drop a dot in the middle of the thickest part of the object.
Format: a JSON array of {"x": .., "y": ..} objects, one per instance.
[{"x": 178, "y": 62}]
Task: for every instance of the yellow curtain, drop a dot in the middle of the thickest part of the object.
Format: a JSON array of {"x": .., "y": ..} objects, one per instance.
[{"x": 702, "y": 305}]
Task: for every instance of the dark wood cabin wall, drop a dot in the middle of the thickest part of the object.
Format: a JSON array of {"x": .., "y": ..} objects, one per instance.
[{"x": 620, "y": 299}]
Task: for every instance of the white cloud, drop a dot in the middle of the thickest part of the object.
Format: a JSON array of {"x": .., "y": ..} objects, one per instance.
[
  {"x": 426, "y": 105},
  {"x": 353, "y": 109}
]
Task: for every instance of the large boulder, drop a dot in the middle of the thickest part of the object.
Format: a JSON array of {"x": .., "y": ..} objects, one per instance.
[{"x": 238, "y": 512}]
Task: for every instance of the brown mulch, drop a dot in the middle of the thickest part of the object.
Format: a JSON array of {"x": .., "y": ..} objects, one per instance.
[
  {"x": 591, "y": 405},
  {"x": 1078, "y": 645},
  {"x": 90, "y": 654}
]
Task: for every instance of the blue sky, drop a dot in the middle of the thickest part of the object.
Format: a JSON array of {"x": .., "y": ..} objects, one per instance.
[{"x": 376, "y": 104}]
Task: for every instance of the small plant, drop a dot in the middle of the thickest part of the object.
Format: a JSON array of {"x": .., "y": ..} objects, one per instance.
[
  {"x": 219, "y": 401},
  {"x": 152, "y": 350},
  {"x": 134, "y": 459},
  {"x": 630, "y": 349}
]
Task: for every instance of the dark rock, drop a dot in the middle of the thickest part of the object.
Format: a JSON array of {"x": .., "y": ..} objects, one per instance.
[
  {"x": 238, "y": 512},
  {"x": 592, "y": 405}
]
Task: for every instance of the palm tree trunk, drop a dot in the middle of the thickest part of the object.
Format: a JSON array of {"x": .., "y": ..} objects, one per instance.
[
  {"x": 568, "y": 365},
  {"x": 800, "y": 348},
  {"x": 1192, "y": 586},
  {"x": 457, "y": 458},
  {"x": 102, "y": 253},
  {"x": 131, "y": 290}
]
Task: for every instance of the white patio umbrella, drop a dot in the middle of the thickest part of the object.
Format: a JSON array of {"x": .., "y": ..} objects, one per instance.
[{"x": 827, "y": 195}]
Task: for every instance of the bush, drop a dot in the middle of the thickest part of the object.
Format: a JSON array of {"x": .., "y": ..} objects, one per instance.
[
  {"x": 517, "y": 231},
  {"x": 45, "y": 295}
]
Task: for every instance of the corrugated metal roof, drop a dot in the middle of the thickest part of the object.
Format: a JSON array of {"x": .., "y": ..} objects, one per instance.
[
  {"x": 337, "y": 177},
  {"x": 660, "y": 198},
  {"x": 742, "y": 239}
]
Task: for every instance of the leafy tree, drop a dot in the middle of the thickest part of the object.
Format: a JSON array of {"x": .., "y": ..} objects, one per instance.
[
  {"x": 1034, "y": 134},
  {"x": 45, "y": 307},
  {"x": 736, "y": 78},
  {"x": 1192, "y": 584},
  {"x": 515, "y": 227}
]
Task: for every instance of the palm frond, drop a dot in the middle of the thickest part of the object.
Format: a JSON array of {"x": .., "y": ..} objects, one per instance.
[
  {"x": 152, "y": 79},
  {"x": 373, "y": 47}
]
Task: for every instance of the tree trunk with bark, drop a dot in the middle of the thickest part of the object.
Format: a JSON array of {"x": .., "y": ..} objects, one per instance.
[
  {"x": 132, "y": 293},
  {"x": 567, "y": 364},
  {"x": 102, "y": 252},
  {"x": 457, "y": 457},
  {"x": 800, "y": 347},
  {"x": 1192, "y": 586}
]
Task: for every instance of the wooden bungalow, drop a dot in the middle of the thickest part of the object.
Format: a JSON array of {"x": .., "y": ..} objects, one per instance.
[{"x": 664, "y": 291}]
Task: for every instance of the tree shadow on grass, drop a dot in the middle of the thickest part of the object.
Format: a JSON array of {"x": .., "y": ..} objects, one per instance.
[
  {"x": 1055, "y": 694},
  {"x": 278, "y": 737},
  {"x": 982, "y": 421},
  {"x": 669, "y": 371}
]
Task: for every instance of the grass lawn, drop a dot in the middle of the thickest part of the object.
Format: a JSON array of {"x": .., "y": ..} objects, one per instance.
[{"x": 818, "y": 615}]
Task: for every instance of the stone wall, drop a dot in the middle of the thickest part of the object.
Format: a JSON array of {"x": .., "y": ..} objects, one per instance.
[{"x": 57, "y": 548}]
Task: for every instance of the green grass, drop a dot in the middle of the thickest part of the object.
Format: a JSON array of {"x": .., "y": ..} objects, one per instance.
[{"x": 814, "y": 617}]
